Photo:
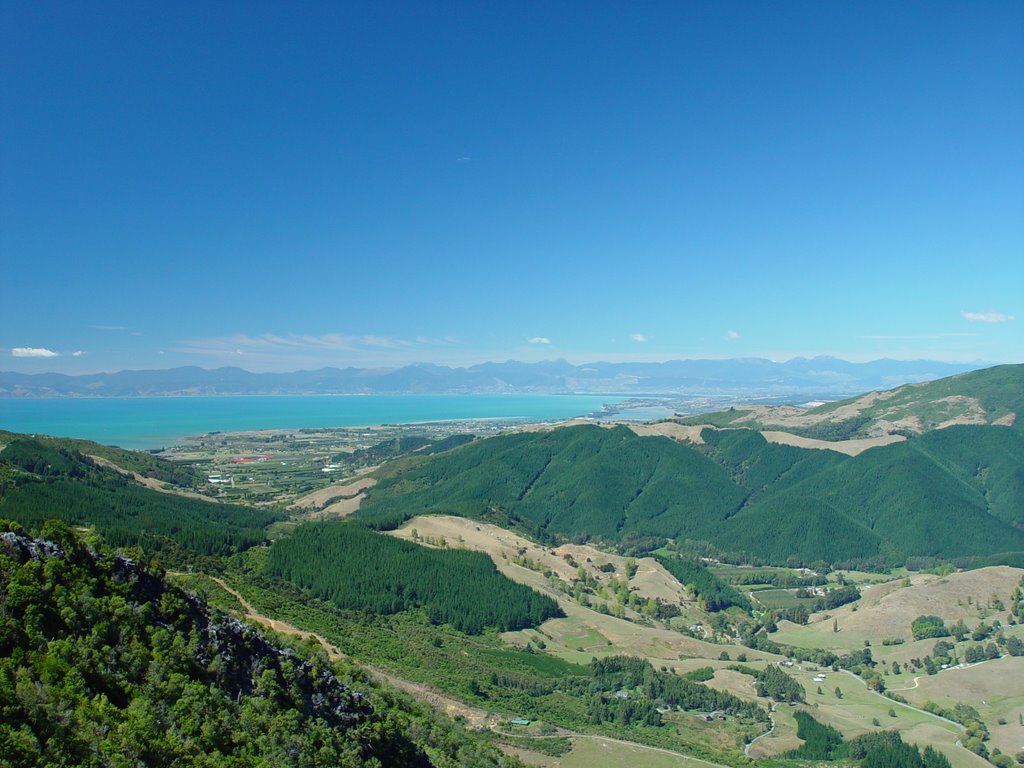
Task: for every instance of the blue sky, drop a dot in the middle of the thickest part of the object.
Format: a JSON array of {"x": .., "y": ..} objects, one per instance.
[{"x": 282, "y": 186}]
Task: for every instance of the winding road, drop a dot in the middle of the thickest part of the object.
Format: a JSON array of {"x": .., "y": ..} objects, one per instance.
[{"x": 769, "y": 732}]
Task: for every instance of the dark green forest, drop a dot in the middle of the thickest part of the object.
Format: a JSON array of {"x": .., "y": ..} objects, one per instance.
[
  {"x": 954, "y": 494},
  {"x": 358, "y": 569},
  {"x": 883, "y": 749},
  {"x": 44, "y": 480},
  {"x": 103, "y": 663},
  {"x": 142, "y": 462},
  {"x": 712, "y": 593},
  {"x": 399, "y": 446}
]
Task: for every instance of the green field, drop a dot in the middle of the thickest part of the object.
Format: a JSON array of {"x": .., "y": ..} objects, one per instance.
[
  {"x": 781, "y": 598},
  {"x": 597, "y": 752}
]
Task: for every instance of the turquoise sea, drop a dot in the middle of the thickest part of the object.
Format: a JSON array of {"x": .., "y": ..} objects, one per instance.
[{"x": 158, "y": 422}]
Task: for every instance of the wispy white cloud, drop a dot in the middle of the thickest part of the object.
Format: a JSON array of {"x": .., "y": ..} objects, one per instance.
[
  {"x": 730, "y": 335},
  {"x": 270, "y": 350},
  {"x": 464, "y": 159},
  {"x": 79, "y": 353},
  {"x": 987, "y": 317},
  {"x": 640, "y": 337},
  {"x": 539, "y": 340},
  {"x": 33, "y": 352}
]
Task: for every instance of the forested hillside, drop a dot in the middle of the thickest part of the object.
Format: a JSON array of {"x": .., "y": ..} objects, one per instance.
[
  {"x": 142, "y": 462},
  {"x": 956, "y": 493},
  {"x": 103, "y": 663},
  {"x": 355, "y": 568},
  {"x": 42, "y": 480},
  {"x": 581, "y": 480}
]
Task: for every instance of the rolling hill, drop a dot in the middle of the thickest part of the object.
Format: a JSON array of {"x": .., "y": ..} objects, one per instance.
[
  {"x": 988, "y": 396},
  {"x": 955, "y": 493},
  {"x": 43, "y": 479}
]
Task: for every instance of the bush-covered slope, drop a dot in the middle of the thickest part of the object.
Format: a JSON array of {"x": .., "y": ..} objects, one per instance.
[
  {"x": 355, "y": 568},
  {"x": 954, "y": 493},
  {"x": 145, "y": 464},
  {"x": 103, "y": 663},
  {"x": 43, "y": 480},
  {"x": 585, "y": 479}
]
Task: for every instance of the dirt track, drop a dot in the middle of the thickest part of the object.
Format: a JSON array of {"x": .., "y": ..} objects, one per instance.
[{"x": 453, "y": 707}]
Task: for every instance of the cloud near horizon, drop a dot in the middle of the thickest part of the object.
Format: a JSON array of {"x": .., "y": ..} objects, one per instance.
[
  {"x": 33, "y": 352},
  {"x": 640, "y": 337},
  {"x": 731, "y": 335},
  {"x": 987, "y": 317},
  {"x": 539, "y": 340},
  {"x": 271, "y": 349}
]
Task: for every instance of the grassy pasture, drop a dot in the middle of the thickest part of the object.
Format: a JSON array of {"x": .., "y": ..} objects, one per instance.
[
  {"x": 781, "y": 598},
  {"x": 854, "y": 712},
  {"x": 597, "y": 752},
  {"x": 733, "y": 573},
  {"x": 782, "y": 739},
  {"x": 887, "y": 610},
  {"x": 995, "y": 688}
]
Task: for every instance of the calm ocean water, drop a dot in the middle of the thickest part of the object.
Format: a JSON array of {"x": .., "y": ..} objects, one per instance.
[{"x": 157, "y": 422}]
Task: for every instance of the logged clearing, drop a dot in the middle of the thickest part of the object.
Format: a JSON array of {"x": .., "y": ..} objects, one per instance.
[
  {"x": 904, "y": 413},
  {"x": 651, "y": 580},
  {"x": 585, "y": 632},
  {"x": 150, "y": 482},
  {"x": 347, "y": 491},
  {"x": 682, "y": 432},
  {"x": 737, "y": 683},
  {"x": 342, "y": 508},
  {"x": 849, "y": 447}
]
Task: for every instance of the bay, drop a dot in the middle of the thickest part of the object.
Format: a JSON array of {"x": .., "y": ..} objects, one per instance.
[{"x": 159, "y": 422}]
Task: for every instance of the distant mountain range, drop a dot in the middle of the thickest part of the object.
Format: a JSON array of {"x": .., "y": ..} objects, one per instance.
[{"x": 818, "y": 376}]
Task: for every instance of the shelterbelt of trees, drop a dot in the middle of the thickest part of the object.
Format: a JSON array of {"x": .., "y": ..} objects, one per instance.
[
  {"x": 884, "y": 749},
  {"x": 358, "y": 569},
  {"x": 103, "y": 663},
  {"x": 955, "y": 493}
]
